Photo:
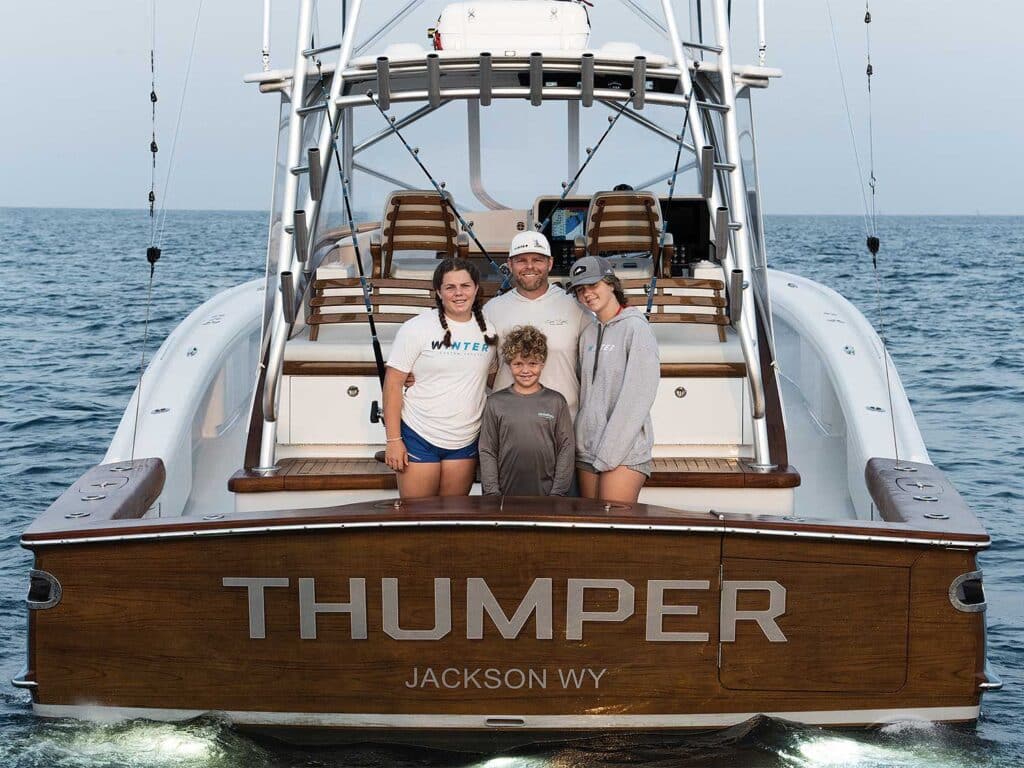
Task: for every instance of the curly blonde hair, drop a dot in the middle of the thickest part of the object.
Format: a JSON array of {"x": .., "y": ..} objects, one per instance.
[{"x": 525, "y": 341}]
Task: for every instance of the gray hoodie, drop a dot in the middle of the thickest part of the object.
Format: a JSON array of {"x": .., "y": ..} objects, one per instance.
[{"x": 619, "y": 374}]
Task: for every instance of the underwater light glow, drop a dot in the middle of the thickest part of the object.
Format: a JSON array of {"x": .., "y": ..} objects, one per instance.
[
  {"x": 826, "y": 751},
  {"x": 831, "y": 750},
  {"x": 155, "y": 744}
]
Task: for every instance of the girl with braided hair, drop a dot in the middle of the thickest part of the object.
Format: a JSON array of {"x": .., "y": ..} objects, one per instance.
[{"x": 432, "y": 427}]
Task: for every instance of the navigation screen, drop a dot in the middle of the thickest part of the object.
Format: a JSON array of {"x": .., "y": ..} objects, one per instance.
[{"x": 568, "y": 222}]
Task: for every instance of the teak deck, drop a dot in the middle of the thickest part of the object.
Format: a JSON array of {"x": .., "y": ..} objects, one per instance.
[{"x": 352, "y": 474}]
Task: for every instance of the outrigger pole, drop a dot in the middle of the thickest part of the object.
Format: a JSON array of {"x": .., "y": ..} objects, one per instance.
[
  {"x": 568, "y": 185},
  {"x": 378, "y": 354},
  {"x": 664, "y": 220},
  {"x": 501, "y": 270}
]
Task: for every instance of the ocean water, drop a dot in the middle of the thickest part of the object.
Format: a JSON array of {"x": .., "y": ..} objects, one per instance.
[{"x": 73, "y": 289}]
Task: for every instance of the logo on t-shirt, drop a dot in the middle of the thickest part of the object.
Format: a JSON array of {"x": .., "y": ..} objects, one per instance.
[
  {"x": 548, "y": 416},
  {"x": 460, "y": 346}
]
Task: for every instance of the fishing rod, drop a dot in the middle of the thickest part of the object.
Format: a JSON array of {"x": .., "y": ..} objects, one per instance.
[
  {"x": 664, "y": 220},
  {"x": 568, "y": 185},
  {"x": 501, "y": 270},
  {"x": 378, "y": 354}
]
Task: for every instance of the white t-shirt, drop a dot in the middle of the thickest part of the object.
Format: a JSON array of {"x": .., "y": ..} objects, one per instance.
[
  {"x": 561, "y": 318},
  {"x": 445, "y": 404}
]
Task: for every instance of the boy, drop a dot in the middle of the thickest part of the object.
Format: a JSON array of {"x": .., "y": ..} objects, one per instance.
[{"x": 527, "y": 445}]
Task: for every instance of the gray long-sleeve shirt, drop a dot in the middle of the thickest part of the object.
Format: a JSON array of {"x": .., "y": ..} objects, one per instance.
[
  {"x": 619, "y": 375},
  {"x": 527, "y": 446}
]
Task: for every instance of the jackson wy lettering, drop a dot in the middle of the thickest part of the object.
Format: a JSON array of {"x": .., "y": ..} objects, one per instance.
[
  {"x": 514, "y": 678},
  {"x": 664, "y": 597}
]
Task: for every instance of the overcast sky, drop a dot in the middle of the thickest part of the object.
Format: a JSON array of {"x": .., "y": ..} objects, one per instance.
[{"x": 948, "y": 107}]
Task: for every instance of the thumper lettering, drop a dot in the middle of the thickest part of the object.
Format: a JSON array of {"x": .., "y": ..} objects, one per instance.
[{"x": 485, "y": 616}]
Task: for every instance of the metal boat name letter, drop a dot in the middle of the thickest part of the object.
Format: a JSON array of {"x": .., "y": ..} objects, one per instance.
[
  {"x": 479, "y": 598},
  {"x": 575, "y": 616},
  {"x": 656, "y": 608},
  {"x": 442, "y": 612},
  {"x": 309, "y": 608},
  {"x": 257, "y": 614},
  {"x": 765, "y": 619}
]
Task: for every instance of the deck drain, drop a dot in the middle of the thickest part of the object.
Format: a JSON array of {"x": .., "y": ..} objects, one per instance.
[
  {"x": 94, "y": 497},
  {"x": 72, "y": 515},
  {"x": 120, "y": 468},
  {"x": 936, "y": 515},
  {"x": 213, "y": 516},
  {"x": 926, "y": 498},
  {"x": 876, "y": 409}
]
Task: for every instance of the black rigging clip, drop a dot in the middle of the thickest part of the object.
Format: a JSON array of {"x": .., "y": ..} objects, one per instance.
[
  {"x": 152, "y": 256},
  {"x": 873, "y": 245}
]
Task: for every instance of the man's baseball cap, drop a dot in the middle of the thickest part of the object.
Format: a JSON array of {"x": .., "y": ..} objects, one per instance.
[
  {"x": 589, "y": 270},
  {"x": 529, "y": 242}
]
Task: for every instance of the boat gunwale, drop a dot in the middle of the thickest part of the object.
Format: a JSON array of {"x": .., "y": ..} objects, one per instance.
[{"x": 505, "y": 512}]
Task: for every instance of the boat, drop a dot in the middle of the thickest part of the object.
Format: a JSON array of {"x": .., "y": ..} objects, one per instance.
[{"x": 242, "y": 550}]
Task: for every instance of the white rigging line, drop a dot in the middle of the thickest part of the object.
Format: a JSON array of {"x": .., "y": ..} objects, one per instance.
[
  {"x": 849, "y": 120},
  {"x": 177, "y": 126}
]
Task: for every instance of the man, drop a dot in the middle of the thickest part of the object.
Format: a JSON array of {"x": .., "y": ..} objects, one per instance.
[{"x": 547, "y": 307}]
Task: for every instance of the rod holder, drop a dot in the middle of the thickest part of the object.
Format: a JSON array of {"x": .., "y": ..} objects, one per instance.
[
  {"x": 300, "y": 235},
  {"x": 485, "y": 79},
  {"x": 721, "y": 232},
  {"x": 707, "y": 171},
  {"x": 316, "y": 173},
  {"x": 434, "y": 80},
  {"x": 288, "y": 297},
  {"x": 587, "y": 79},
  {"x": 639, "y": 81},
  {"x": 736, "y": 296},
  {"x": 384, "y": 83},
  {"x": 536, "y": 79}
]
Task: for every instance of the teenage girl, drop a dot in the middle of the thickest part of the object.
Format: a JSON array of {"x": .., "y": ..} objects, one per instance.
[
  {"x": 432, "y": 427},
  {"x": 619, "y": 374}
]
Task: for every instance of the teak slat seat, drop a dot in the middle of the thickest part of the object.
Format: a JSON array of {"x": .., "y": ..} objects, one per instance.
[
  {"x": 669, "y": 296},
  {"x": 356, "y": 474},
  {"x": 388, "y": 298},
  {"x": 413, "y": 221}
]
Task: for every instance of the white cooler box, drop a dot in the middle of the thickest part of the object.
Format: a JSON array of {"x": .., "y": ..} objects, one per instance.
[{"x": 512, "y": 27}]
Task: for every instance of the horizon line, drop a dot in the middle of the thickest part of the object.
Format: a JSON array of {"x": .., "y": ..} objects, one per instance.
[{"x": 265, "y": 211}]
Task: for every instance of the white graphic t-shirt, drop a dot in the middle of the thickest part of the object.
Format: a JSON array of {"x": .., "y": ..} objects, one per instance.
[
  {"x": 561, "y": 319},
  {"x": 445, "y": 404}
]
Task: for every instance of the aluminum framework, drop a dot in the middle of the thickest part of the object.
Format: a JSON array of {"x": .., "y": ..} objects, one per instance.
[{"x": 728, "y": 193}]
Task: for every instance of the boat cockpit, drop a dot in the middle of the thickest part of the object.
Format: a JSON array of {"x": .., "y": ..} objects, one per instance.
[{"x": 329, "y": 429}]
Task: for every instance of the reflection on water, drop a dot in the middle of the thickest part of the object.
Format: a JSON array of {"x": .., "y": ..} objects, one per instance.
[{"x": 64, "y": 382}]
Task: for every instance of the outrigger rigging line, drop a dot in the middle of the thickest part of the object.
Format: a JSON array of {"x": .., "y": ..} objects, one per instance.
[
  {"x": 378, "y": 354},
  {"x": 664, "y": 220},
  {"x": 568, "y": 185},
  {"x": 439, "y": 188}
]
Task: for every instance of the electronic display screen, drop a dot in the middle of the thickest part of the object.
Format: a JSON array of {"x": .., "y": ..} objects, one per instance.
[{"x": 569, "y": 222}]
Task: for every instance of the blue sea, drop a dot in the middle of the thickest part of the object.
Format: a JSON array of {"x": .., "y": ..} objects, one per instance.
[{"x": 72, "y": 304}]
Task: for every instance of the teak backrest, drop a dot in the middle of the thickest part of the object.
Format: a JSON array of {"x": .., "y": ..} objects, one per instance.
[
  {"x": 416, "y": 220},
  {"x": 624, "y": 222}
]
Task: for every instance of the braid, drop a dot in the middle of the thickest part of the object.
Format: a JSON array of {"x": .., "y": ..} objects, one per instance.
[
  {"x": 444, "y": 324},
  {"x": 478, "y": 313}
]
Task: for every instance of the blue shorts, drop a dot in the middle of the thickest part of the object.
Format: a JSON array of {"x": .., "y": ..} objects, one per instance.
[{"x": 422, "y": 452}]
